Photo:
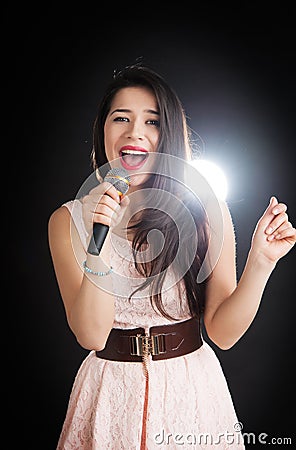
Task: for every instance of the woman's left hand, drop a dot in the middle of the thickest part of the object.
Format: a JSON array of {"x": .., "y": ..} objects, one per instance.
[{"x": 274, "y": 235}]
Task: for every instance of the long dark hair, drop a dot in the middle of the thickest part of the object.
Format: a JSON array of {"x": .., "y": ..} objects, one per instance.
[{"x": 174, "y": 139}]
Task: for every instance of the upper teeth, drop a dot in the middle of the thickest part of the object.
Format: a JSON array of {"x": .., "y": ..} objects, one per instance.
[{"x": 133, "y": 152}]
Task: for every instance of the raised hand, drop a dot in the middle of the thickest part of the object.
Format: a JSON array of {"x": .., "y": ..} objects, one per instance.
[{"x": 274, "y": 235}]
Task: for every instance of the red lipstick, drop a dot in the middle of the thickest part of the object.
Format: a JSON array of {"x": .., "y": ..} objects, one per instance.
[{"x": 133, "y": 157}]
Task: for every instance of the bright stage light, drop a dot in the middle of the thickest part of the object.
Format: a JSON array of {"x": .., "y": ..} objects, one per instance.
[{"x": 214, "y": 176}]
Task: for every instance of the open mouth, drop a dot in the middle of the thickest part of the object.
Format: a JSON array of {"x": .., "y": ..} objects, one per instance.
[{"x": 133, "y": 158}]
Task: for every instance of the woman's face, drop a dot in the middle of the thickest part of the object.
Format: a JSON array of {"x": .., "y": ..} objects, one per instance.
[{"x": 131, "y": 132}]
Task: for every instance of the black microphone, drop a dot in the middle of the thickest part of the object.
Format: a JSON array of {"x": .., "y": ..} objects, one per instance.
[{"x": 120, "y": 179}]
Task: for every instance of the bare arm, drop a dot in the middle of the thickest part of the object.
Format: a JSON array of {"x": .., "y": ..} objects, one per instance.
[
  {"x": 88, "y": 299},
  {"x": 231, "y": 306}
]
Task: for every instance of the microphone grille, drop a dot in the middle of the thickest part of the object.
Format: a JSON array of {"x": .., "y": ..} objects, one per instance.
[{"x": 120, "y": 179}]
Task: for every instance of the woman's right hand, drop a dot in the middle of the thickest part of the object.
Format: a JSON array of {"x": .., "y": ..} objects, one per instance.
[{"x": 104, "y": 205}]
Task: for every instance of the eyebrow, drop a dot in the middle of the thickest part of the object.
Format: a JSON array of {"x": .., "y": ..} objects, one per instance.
[{"x": 149, "y": 111}]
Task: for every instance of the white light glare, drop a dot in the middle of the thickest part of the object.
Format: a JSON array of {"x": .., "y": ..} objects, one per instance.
[{"x": 214, "y": 176}]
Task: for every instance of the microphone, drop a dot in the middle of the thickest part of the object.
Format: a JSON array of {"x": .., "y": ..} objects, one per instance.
[{"x": 120, "y": 179}]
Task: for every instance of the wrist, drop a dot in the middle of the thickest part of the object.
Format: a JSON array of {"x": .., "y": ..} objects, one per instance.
[
  {"x": 98, "y": 272},
  {"x": 260, "y": 262},
  {"x": 96, "y": 263}
]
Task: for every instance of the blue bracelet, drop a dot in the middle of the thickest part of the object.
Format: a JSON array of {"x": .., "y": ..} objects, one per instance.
[{"x": 99, "y": 274}]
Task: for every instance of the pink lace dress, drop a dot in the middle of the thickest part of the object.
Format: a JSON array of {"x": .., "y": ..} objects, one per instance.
[{"x": 188, "y": 403}]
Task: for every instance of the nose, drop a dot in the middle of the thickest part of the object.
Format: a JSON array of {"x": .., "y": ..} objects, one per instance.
[{"x": 135, "y": 130}]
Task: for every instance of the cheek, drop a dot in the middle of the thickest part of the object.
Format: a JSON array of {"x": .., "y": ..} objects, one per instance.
[
  {"x": 109, "y": 142},
  {"x": 154, "y": 140},
  {"x": 108, "y": 148}
]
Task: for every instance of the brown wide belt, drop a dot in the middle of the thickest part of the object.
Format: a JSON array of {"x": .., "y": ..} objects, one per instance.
[{"x": 162, "y": 342}]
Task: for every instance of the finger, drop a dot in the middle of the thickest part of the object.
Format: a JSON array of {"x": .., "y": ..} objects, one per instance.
[
  {"x": 279, "y": 208},
  {"x": 283, "y": 227},
  {"x": 101, "y": 218},
  {"x": 276, "y": 223},
  {"x": 110, "y": 209},
  {"x": 105, "y": 200},
  {"x": 97, "y": 210},
  {"x": 120, "y": 209},
  {"x": 125, "y": 200},
  {"x": 287, "y": 234},
  {"x": 279, "y": 231},
  {"x": 267, "y": 216},
  {"x": 106, "y": 215},
  {"x": 105, "y": 188},
  {"x": 102, "y": 210},
  {"x": 274, "y": 208}
]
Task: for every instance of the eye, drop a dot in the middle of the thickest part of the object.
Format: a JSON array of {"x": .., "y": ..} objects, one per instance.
[
  {"x": 153, "y": 122},
  {"x": 121, "y": 119}
]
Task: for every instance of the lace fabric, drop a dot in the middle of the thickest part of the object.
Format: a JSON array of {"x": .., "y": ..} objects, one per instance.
[{"x": 189, "y": 402}]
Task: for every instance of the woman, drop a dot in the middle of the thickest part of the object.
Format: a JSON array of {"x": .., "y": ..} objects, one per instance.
[{"x": 150, "y": 381}]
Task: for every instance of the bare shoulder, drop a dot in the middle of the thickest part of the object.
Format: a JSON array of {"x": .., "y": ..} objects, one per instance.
[
  {"x": 59, "y": 216},
  {"x": 59, "y": 223},
  {"x": 225, "y": 209},
  {"x": 227, "y": 217}
]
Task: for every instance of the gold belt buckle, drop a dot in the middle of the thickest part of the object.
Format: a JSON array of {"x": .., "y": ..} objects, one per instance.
[{"x": 143, "y": 345}]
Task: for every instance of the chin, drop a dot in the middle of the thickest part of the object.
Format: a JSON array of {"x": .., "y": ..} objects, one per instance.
[{"x": 139, "y": 180}]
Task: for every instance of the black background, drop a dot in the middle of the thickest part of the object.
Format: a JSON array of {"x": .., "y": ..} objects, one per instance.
[{"x": 234, "y": 71}]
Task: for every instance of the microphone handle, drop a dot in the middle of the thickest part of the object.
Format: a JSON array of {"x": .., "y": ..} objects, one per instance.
[{"x": 100, "y": 232}]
